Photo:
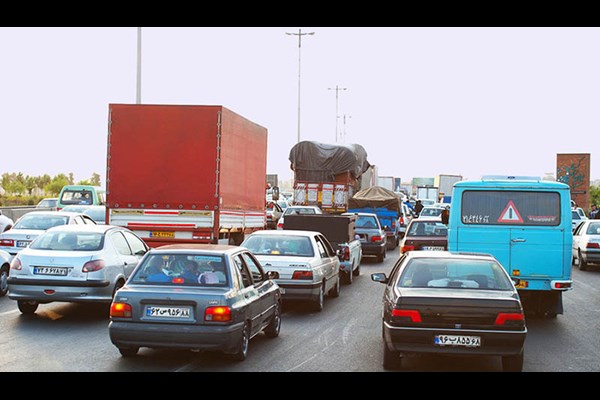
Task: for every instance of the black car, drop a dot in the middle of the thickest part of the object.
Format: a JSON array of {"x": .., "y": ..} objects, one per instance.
[
  {"x": 451, "y": 303},
  {"x": 372, "y": 235}
]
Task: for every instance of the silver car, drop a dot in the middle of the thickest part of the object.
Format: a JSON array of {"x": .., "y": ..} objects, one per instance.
[
  {"x": 74, "y": 263},
  {"x": 586, "y": 244},
  {"x": 307, "y": 264},
  {"x": 198, "y": 297}
]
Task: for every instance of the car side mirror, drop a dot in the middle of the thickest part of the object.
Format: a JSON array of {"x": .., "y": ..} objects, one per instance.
[
  {"x": 379, "y": 277},
  {"x": 272, "y": 275}
]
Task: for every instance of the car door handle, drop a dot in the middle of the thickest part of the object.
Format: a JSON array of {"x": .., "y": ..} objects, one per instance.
[{"x": 518, "y": 240}]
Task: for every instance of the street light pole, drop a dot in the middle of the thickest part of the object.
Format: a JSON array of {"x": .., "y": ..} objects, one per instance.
[
  {"x": 299, "y": 34},
  {"x": 337, "y": 90},
  {"x": 344, "y": 131},
  {"x": 138, "y": 91}
]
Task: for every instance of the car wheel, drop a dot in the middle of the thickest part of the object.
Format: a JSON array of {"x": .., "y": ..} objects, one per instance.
[
  {"x": 3, "y": 281},
  {"x": 120, "y": 283},
  {"x": 348, "y": 277},
  {"x": 129, "y": 351},
  {"x": 320, "y": 300},
  {"x": 242, "y": 350},
  {"x": 513, "y": 363},
  {"x": 581, "y": 264},
  {"x": 27, "y": 307},
  {"x": 272, "y": 330},
  {"x": 356, "y": 272},
  {"x": 391, "y": 359},
  {"x": 335, "y": 290}
]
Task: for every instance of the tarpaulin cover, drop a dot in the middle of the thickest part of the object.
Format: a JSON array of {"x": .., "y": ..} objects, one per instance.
[
  {"x": 375, "y": 196},
  {"x": 314, "y": 161}
]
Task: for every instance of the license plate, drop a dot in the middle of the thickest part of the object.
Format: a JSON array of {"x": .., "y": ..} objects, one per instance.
[
  {"x": 456, "y": 340},
  {"x": 162, "y": 234},
  {"x": 23, "y": 243},
  {"x": 437, "y": 248},
  {"x": 60, "y": 271},
  {"x": 168, "y": 312}
]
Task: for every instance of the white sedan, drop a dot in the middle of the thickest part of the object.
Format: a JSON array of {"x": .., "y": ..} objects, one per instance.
[
  {"x": 74, "y": 263},
  {"x": 586, "y": 244},
  {"x": 5, "y": 222},
  {"x": 307, "y": 264}
]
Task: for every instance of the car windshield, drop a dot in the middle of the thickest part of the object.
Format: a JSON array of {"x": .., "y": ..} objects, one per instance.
[
  {"x": 458, "y": 273},
  {"x": 40, "y": 222},
  {"x": 97, "y": 214},
  {"x": 593, "y": 228},
  {"x": 427, "y": 228},
  {"x": 69, "y": 241},
  {"x": 368, "y": 222},
  {"x": 198, "y": 270},
  {"x": 284, "y": 245}
]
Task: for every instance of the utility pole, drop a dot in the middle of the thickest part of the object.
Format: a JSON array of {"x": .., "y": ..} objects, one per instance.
[
  {"x": 337, "y": 90},
  {"x": 299, "y": 34},
  {"x": 344, "y": 131}
]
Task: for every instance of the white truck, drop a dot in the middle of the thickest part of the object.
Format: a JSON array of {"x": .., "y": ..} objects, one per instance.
[
  {"x": 445, "y": 183},
  {"x": 428, "y": 193},
  {"x": 386, "y": 182}
]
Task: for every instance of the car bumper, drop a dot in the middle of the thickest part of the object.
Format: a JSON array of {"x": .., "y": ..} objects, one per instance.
[
  {"x": 299, "y": 291},
  {"x": 370, "y": 249},
  {"x": 175, "y": 336},
  {"x": 591, "y": 257},
  {"x": 346, "y": 266},
  {"x": 421, "y": 340},
  {"x": 46, "y": 290}
]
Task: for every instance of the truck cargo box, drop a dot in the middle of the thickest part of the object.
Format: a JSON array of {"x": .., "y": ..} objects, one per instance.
[{"x": 336, "y": 228}]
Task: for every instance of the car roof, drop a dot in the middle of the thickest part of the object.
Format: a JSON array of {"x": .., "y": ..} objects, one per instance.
[
  {"x": 196, "y": 247},
  {"x": 86, "y": 228},
  {"x": 49, "y": 213},
  {"x": 449, "y": 254},
  {"x": 362, "y": 214},
  {"x": 284, "y": 232}
]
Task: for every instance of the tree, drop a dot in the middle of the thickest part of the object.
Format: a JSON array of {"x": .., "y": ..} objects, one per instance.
[
  {"x": 594, "y": 195},
  {"x": 95, "y": 179},
  {"x": 16, "y": 187},
  {"x": 54, "y": 187}
]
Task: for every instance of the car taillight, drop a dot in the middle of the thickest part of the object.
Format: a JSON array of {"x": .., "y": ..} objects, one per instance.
[
  {"x": 401, "y": 220},
  {"x": 406, "y": 248},
  {"x": 562, "y": 285},
  {"x": 15, "y": 264},
  {"x": 376, "y": 238},
  {"x": 94, "y": 265},
  {"x": 7, "y": 242},
  {"x": 590, "y": 245},
  {"x": 120, "y": 310},
  {"x": 393, "y": 224},
  {"x": 413, "y": 315},
  {"x": 217, "y": 313},
  {"x": 305, "y": 275},
  {"x": 509, "y": 319},
  {"x": 280, "y": 225},
  {"x": 345, "y": 253}
]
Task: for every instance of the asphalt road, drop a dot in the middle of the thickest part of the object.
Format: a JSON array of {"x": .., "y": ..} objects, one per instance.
[{"x": 344, "y": 337}]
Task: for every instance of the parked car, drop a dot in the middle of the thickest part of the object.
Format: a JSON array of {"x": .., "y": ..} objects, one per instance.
[
  {"x": 74, "y": 263},
  {"x": 307, "y": 265},
  {"x": 196, "y": 296},
  {"x": 274, "y": 212},
  {"x": 371, "y": 234},
  {"x": 5, "y": 222},
  {"x": 577, "y": 217},
  {"x": 95, "y": 212},
  {"x": 298, "y": 210},
  {"x": 32, "y": 224},
  {"x": 48, "y": 202},
  {"x": 4, "y": 270},
  {"x": 425, "y": 233},
  {"x": 586, "y": 244},
  {"x": 439, "y": 302}
]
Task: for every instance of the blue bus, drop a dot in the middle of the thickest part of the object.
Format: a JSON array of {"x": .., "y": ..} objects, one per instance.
[{"x": 524, "y": 222}]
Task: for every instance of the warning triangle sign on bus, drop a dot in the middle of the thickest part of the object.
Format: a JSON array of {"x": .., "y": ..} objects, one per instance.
[{"x": 510, "y": 214}]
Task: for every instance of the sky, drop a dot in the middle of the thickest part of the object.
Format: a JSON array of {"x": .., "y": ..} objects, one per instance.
[{"x": 422, "y": 101}]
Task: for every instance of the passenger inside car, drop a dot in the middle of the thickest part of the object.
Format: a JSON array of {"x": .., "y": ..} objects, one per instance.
[
  {"x": 154, "y": 272},
  {"x": 214, "y": 277}
]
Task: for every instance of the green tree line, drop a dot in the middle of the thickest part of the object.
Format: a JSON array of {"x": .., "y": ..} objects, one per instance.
[{"x": 20, "y": 189}]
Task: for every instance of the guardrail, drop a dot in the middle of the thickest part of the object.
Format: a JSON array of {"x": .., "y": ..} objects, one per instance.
[{"x": 16, "y": 212}]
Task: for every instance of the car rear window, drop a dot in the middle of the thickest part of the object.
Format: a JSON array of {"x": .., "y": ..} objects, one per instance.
[
  {"x": 284, "y": 245},
  {"x": 454, "y": 273},
  {"x": 366, "y": 222},
  {"x": 182, "y": 270},
  {"x": 593, "y": 228},
  {"x": 427, "y": 228},
  {"x": 40, "y": 222},
  {"x": 69, "y": 241}
]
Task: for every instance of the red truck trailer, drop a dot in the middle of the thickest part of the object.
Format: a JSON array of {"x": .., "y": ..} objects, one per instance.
[{"x": 185, "y": 173}]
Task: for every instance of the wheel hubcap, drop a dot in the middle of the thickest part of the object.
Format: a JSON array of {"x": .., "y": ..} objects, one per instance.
[{"x": 3, "y": 281}]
